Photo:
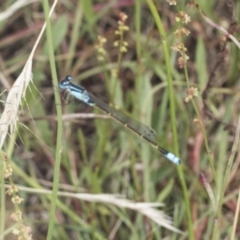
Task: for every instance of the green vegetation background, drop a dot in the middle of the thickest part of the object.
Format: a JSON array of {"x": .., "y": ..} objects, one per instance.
[{"x": 99, "y": 156}]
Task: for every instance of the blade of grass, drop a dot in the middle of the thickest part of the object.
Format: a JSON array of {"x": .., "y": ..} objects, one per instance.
[
  {"x": 236, "y": 217},
  {"x": 2, "y": 197},
  {"x": 225, "y": 180},
  {"x": 59, "y": 116},
  {"x": 172, "y": 111},
  {"x": 74, "y": 35}
]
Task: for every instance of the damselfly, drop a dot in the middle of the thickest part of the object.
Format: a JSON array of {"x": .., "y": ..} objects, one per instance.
[{"x": 138, "y": 128}]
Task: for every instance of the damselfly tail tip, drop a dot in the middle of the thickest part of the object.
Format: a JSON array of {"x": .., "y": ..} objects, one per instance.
[{"x": 172, "y": 158}]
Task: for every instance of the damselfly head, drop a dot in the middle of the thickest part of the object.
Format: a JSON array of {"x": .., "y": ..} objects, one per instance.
[{"x": 65, "y": 82}]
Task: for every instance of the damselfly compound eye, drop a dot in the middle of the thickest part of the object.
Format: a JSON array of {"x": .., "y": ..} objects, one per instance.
[{"x": 68, "y": 78}]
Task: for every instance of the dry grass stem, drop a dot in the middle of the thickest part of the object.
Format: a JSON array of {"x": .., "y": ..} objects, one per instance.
[
  {"x": 14, "y": 7},
  {"x": 147, "y": 208},
  {"x": 9, "y": 117}
]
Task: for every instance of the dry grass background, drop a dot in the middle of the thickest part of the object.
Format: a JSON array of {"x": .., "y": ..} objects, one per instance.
[{"x": 109, "y": 184}]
